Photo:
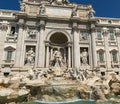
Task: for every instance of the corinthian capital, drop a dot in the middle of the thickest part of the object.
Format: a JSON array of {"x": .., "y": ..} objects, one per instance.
[
  {"x": 75, "y": 27},
  {"x": 42, "y": 24},
  {"x": 117, "y": 31},
  {"x": 3, "y": 26},
  {"x": 105, "y": 31}
]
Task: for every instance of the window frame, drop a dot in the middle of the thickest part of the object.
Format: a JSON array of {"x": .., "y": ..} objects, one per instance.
[
  {"x": 114, "y": 52},
  {"x": 99, "y": 35},
  {"x": 111, "y": 37}
]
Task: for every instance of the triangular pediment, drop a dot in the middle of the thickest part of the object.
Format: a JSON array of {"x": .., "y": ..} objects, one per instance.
[{"x": 9, "y": 48}]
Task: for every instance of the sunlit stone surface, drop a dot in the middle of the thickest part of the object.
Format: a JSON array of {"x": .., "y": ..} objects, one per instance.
[{"x": 57, "y": 51}]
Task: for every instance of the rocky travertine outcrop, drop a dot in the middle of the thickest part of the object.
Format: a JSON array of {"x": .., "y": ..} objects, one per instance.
[
  {"x": 10, "y": 90},
  {"x": 47, "y": 87}
]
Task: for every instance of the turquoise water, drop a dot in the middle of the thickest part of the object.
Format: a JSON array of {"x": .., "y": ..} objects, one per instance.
[
  {"x": 70, "y": 102},
  {"x": 83, "y": 102},
  {"x": 108, "y": 103}
]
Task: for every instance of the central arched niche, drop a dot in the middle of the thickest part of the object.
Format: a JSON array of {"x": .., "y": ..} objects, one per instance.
[{"x": 58, "y": 38}]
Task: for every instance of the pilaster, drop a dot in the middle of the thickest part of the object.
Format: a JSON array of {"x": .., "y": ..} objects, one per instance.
[
  {"x": 41, "y": 45},
  {"x": 69, "y": 55},
  {"x": 20, "y": 43},
  {"x": 107, "y": 53},
  {"x": 117, "y": 33},
  {"x": 3, "y": 31},
  {"x": 90, "y": 51},
  {"x": 93, "y": 46},
  {"x": 47, "y": 54},
  {"x": 76, "y": 47}
]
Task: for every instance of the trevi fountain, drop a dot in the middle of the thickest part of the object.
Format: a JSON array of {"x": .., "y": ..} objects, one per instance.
[
  {"x": 58, "y": 85},
  {"x": 52, "y": 57}
]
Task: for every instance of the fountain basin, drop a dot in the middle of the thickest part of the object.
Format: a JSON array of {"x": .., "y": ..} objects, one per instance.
[{"x": 79, "y": 101}]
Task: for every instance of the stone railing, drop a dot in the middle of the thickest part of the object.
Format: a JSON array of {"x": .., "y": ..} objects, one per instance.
[
  {"x": 108, "y": 21},
  {"x": 102, "y": 64},
  {"x": 12, "y": 37},
  {"x": 112, "y": 42},
  {"x": 6, "y": 13},
  {"x": 100, "y": 42},
  {"x": 115, "y": 64},
  {"x": 7, "y": 63}
]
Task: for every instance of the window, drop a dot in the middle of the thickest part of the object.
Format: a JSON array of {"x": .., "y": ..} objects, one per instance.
[
  {"x": 117, "y": 73},
  {"x": 111, "y": 36},
  {"x": 101, "y": 56},
  {"x": 99, "y": 36},
  {"x": 9, "y": 55},
  {"x": 12, "y": 30},
  {"x": 103, "y": 73},
  {"x": 114, "y": 56}
]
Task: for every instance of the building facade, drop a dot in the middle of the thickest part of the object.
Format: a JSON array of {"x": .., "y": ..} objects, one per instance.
[{"x": 46, "y": 31}]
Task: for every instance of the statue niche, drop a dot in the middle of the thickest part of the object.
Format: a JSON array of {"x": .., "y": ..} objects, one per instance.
[
  {"x": 84, "y": 57},
  {"x": 30, "y": 56}
]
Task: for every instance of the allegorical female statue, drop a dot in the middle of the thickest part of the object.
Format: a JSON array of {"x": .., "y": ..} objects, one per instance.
[
  {"x": 30, "y": 57},
  {"x": 59, "y": 2},
  {"x": 84, "y": 56}
]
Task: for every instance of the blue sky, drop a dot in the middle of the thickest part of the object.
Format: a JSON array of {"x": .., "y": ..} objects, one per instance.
[{"x": 103, "y": 8}]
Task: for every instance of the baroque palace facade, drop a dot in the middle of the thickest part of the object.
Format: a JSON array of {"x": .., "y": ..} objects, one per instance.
[{"x": 47, "y": 33}]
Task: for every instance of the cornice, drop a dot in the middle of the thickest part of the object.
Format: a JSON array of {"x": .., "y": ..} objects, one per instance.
[
  {"x": 107, "y": 18},
  {"x": 107, "y": 25},
  {"x": 60, "y": 6},
  {"x": 7, "y": 18},
  {"x": 12, "y": 11}
]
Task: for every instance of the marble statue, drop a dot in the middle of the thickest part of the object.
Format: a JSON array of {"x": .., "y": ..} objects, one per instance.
[
  {"x": 50, "y": 1},
  {"x": 30, "y": 57},
  {"x": 65, "y": 2},
  {"x": 84, "y": 56},
  {"x": 22, "y": 7},
  {"x": 59, "y": 2},
  {"x": 57, "y": 59},
  {"x": 42, "y": 10},
  {"x": 57, "y": 64},
  {"x": 74, "y": 11}
]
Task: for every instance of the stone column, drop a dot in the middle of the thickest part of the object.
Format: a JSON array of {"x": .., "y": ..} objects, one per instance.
[
  {"x": 3, "y": 31},
  {"x": 47, "y": 55},
  {"x": 90, "y": 51},
  {"x": 93, "y": 46},
  {"x": 117, "y": 33},
  {"x": 19, "y": 43},
  {"x": 76, "y": 48},
  {"x": 22, "y": 60},
  {"x": 37, "y": 50},
  {"x": 41, "y": 45},
  {"x": 69, "y": 56},
  {"x": 106, "y": 43},
  {"x": 9, "y": 28},
  {"x": 51, "y": 54},
  {"x": 65, "y": 54}
]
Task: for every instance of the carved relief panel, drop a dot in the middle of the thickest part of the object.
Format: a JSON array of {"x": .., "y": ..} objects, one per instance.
[
  {"x": 31, "y": 33},
  {"x": 84, "y": 36}
]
